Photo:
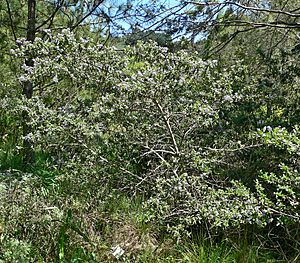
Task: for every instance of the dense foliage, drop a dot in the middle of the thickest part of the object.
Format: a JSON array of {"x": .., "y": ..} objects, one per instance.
[{"x": 130, "y": 144}]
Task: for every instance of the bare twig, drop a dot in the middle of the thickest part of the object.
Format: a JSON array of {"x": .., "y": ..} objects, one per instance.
[
  {"x": 167, "y": 122},
  {"x": 242, "y": 148}
]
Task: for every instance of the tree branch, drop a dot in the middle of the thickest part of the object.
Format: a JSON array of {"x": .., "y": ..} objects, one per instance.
[
  {"x": 11, "y": 20},
  {"x": 50, "y": 18},
  {"x": 251, "y": 8},
  {"x": 95, "y": 6}
]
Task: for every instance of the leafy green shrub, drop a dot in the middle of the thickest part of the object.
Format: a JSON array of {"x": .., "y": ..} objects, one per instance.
[{"x": 280, "y": 188}]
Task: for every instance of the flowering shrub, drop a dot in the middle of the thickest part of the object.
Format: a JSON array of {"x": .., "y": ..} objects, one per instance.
[{"x": 146, "y": 119}]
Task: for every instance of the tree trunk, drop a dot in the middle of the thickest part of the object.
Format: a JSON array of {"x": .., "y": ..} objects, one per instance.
[{"x": 28, "y": 155}]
